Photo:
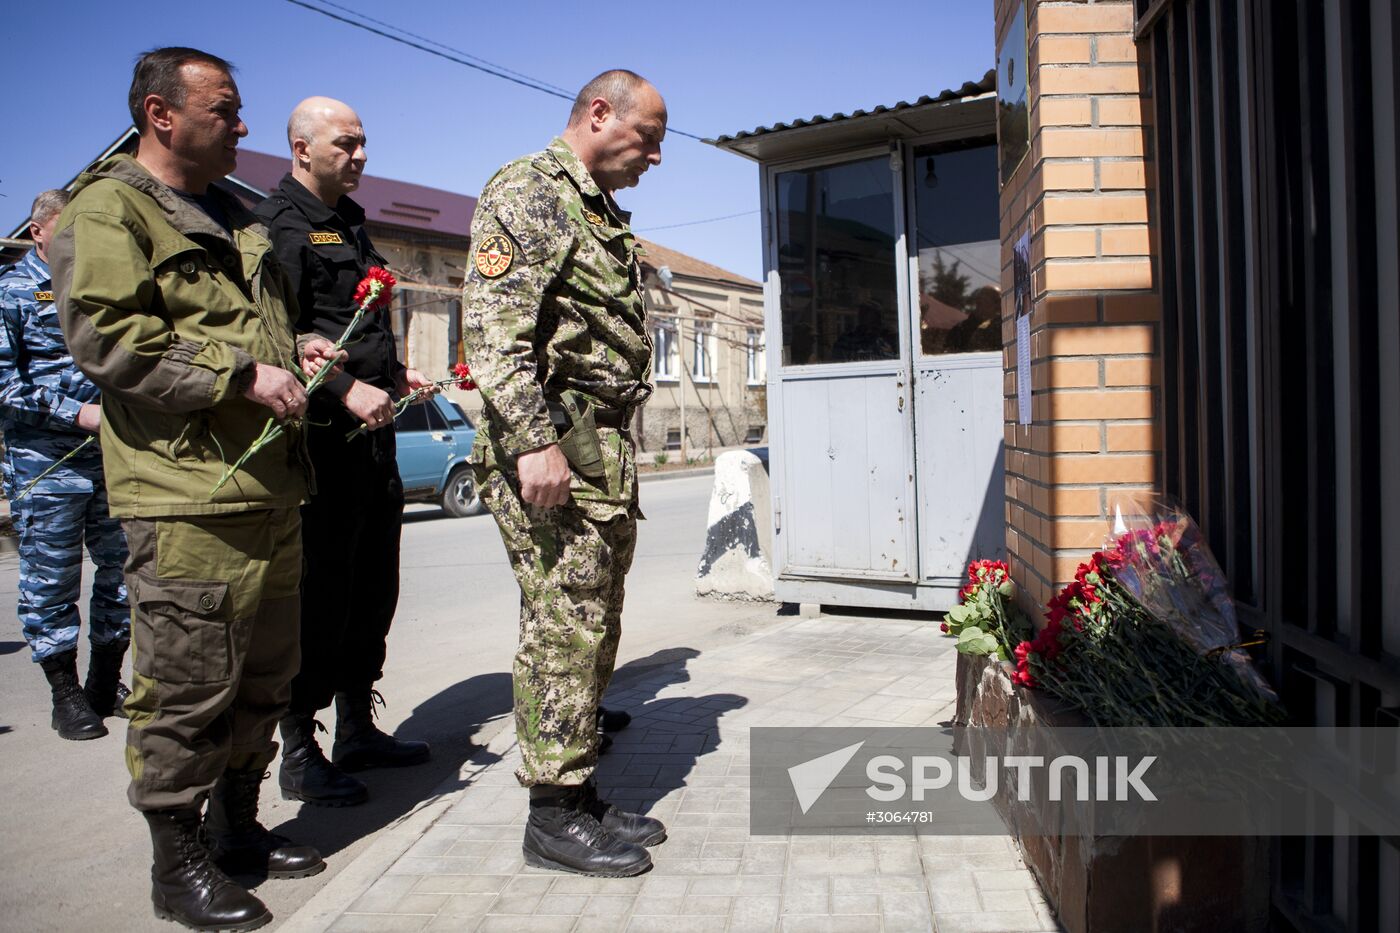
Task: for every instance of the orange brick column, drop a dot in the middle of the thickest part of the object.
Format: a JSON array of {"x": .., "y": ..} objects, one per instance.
[{"x": 1082, "y": 192}]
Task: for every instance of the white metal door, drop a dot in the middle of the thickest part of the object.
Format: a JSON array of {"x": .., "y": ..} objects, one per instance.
[{"x": 839, "y": 390}]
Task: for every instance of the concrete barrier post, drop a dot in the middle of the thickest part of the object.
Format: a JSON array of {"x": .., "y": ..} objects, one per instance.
[{"x": 737, "y": 563}]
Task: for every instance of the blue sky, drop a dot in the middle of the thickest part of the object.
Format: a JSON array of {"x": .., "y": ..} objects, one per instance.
[{"x": 722, "y": 65}]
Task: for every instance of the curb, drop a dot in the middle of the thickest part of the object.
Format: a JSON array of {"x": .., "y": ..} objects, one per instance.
[
  {"x": 341, "y": 892},
  {"x": 351, "y": 883},
  {"x": 675, "y": 474}
]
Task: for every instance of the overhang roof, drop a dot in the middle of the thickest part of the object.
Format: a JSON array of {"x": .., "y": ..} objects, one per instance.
[{"x": 947, "y": 110}]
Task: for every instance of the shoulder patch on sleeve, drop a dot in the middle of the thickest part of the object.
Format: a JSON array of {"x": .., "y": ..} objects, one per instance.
[
  {"x": 494, "y": 256},
  {"x": 525, "y": 206}
]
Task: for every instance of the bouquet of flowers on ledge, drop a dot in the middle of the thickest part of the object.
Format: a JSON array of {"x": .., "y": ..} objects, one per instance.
[
  {"x": 1145, "y": 634},
  {"x": 987, "y": 621}
]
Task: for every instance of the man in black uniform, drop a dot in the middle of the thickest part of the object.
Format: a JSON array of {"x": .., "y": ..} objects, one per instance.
[{"x": 350, "y": 528}]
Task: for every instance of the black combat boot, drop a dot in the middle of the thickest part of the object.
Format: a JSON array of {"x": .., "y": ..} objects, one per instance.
[
  {"x": 72, "y": 714},
  {"x": 239, "y": 844},
  {"x": 306, "y": 775},
  {"x": 629, "y": 827},
  {"x": 189, "y": 888},
  {"x": 104, "y": 688},
  {"x": 561, "y": 834},
  {"x": 358, "y": 742},
  {"x": 613, "y": 720}
]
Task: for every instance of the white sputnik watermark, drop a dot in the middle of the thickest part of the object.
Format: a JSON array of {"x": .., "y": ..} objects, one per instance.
[{"x": 1113, "y": 778}]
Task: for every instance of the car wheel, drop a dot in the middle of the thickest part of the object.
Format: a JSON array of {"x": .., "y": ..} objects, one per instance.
[{"x": 459, "y": 498}]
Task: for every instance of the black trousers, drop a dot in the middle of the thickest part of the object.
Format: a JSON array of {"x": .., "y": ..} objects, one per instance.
[{"x": 350, "y": 539}]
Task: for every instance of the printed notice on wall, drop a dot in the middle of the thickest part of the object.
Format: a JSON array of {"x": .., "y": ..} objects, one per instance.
[
  {"x": 1021, "y": 277},
  {"x": 1023, "y": 369}
]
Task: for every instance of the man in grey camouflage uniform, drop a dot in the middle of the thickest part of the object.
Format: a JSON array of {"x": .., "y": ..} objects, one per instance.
[
  {"x": 557, "y": 340},
  {"x": 48, "y": 408}
]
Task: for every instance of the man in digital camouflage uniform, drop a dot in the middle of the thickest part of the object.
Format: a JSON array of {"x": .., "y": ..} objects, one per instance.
[
  {"x": 48, "y": 409},
  {"x": 556, "y": 336},
  {"x": 173, "y": 301}
]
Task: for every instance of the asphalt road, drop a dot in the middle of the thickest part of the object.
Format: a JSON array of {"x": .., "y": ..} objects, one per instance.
[{"x": 75, "y": 856}]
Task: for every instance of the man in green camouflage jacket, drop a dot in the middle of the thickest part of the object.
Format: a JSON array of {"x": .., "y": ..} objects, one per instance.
[
  {"x": 557, "y": 340},
  {"x": 173, "y": 303}
]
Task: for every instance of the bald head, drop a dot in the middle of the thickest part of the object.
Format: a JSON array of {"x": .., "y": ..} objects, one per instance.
[
  {"x": 328, "y": 147},
  {"x": 618, "y": 86},
  {"x": 616, "y": 127},
  {"x": 313, "y": 114}
]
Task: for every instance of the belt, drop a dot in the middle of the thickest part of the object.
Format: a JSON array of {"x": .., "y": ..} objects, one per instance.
[{"x": 615, "y": 418}]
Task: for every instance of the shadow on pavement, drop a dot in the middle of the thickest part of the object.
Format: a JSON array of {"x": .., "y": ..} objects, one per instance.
[
  {"x": 10, "y": 647},
  {"x": 655, "y": 754},
  {"x": 649, "y": 759},
  {"x": 447, "y": 720}
]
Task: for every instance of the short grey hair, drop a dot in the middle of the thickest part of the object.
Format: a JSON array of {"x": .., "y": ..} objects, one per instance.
[
  {"x": 617, "y": 86},
  {"x": 47, "y": 204},
  {"x": 299, "y": 127}
]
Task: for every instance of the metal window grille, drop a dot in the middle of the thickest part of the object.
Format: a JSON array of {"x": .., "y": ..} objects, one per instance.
[
  {"x": 664, "y": 350},
  {"x": 703, "y": 347},
  {"x": 1275, "y": 127},
  {"x": 753, "y": 355}
]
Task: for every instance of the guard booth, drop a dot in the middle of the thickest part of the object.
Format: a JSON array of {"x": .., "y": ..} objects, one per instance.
[{"x": 882, "y": 275}]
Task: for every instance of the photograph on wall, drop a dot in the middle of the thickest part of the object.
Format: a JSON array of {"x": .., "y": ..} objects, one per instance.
[{"x": 1013, "y": 110}]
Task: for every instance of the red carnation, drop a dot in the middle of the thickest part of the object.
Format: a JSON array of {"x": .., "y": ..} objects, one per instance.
[
  {"x": 463, "y": 375},
  {"x": 385, "y": 282}
]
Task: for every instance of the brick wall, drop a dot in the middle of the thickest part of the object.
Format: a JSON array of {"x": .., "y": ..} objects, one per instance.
[{"x": 1083, "y": 193}]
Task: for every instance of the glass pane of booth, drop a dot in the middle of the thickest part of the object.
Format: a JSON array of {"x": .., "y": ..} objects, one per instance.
[
  {"x": 836, "y": 262},
  {"x": 957, "y": 213}
]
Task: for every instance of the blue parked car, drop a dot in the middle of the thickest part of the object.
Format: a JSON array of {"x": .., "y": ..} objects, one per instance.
[{"x": 434, "y": 440}]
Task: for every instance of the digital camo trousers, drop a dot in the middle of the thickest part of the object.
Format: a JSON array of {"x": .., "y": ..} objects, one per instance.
[
  {"x": 64, "y": 512},
  {"x": 571, "y": 569}
]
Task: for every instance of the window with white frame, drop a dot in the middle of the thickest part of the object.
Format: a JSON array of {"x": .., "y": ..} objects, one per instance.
[
  {"x": 665, "y": 356},
  {"x": 704, "y": 346},
  {"x": 753, "y": 352}
]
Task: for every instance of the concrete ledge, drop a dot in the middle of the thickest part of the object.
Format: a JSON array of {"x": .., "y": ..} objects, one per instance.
[{"x": 1108, "y": 884}]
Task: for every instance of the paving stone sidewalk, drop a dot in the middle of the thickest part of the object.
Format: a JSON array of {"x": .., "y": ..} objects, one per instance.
[{"x": 685, "y": 759}]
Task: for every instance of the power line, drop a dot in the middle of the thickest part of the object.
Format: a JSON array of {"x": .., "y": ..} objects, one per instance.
[
  {"x": 691, "y": 223},
  {"x": 456, "y": 57},
  {"x": 441, "y": 45}
]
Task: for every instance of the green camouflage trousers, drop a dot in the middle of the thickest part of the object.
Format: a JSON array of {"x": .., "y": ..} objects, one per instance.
[
  {"x": 571, "y": 568},
  {"x": 215, "y": 626}
]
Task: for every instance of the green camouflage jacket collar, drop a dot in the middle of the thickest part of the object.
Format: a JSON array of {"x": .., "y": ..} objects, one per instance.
[{"x": 569, "y": 161}]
